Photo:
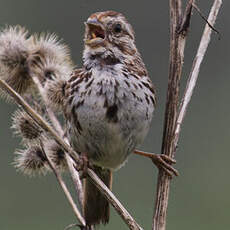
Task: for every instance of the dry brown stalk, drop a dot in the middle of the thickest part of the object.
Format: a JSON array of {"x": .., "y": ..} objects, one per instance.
[
  {"x": 173, "y": 121},
  {"x": 65, "y": 190},
  {"x": 74, "y": 174}
]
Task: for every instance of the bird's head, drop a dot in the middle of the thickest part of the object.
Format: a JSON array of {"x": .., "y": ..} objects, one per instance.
[{"x": 108, "y": 35}]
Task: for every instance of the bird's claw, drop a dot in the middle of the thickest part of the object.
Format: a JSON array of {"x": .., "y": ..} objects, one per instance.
[
  {"x": 164, "y": 162},
  {"x": 83, "y": 166}
]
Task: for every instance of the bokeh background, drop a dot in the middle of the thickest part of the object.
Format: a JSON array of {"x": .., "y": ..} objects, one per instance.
[{"x": 199, "y": 197}]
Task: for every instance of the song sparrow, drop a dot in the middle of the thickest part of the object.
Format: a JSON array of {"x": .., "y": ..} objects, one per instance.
[{"x": 110, "y": 104}]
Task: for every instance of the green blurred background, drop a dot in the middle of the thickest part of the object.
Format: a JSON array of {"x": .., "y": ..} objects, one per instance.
[{"x": 199, "y": 197}]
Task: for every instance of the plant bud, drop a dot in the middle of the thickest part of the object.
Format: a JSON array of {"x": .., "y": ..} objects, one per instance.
[
  {"x": 56, "y": 154},
  {"x": 31, "y": 160},
  {"x": 14, "y": 53},
  {"x": 25, "y": 126}
]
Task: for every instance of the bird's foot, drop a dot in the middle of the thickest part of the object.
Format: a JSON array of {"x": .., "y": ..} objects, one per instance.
[
  {"x": 83, "y": 165},
  {"x": 161, "y": 161}
]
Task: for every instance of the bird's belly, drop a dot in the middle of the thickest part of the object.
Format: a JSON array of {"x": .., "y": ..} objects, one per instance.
[
  {"x": 108, "y": 139},
  {"x": 109, "y": 118}
]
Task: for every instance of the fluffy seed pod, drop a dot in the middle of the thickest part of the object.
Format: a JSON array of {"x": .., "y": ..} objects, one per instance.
[
  {"x": 31, "y": 161},
  {"x": 56, "y": 154},
  {"x": 5, "y": 96},
  {"x": 49, "y": 46},
  {"x": 13, "y": 56},
  {"x": 55, "y": 93},
  {"x": 49, "y": 57},
  {"x": 50, "y": 60},
  {"x": 25, "y": 126}
]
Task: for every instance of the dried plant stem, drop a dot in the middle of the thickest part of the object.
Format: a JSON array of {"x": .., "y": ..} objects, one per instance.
[
  {"x": 114, "y": 201},
  {"x": 74, "y": 174},
  {"x": 128, "y": 219},
  {"x": 196, "y": 66},
  {"x": 172, "y": 120},
  {"x": 76, "y": 180},
  {"x": 65, "y": 189},
  {"x": 39, "y": 120},
  {"x": 177, "y": 45},
  {"x": 51, "y": 115},
  {"x": 68, "y": 195}
]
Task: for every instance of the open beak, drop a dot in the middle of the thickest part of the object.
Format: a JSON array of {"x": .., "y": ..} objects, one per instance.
[{"x": 95, "y": 32}]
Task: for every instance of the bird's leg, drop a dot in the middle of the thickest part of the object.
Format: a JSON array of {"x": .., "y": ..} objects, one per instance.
[
  {"x": 83, "y": 165},
  {"x": 161, "y": 161}
]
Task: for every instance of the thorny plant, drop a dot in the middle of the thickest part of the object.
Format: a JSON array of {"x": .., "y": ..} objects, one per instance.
[
  {"x": 32, "y": 68},
  {"x": 28, "y": 63}
]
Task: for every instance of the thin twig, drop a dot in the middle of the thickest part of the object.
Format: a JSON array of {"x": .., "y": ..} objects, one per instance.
[
  {"x": 64, "y": 188},
  {"x": 206, "y": 20},
  {"x": 173, "y": 131},
  {"x": 67, "y": 193},
  {"x": 128, "y": 219},
  {"x": 76, "y": 180},
  {"x": 196, "y": 66},
  {"x": 186, "y": 18},
  {"x": 177, "y": 45},
  {"x": 74, "y": 174},
  {"x": 114, "y": 201},
  {"x": 51, "y": 115}
]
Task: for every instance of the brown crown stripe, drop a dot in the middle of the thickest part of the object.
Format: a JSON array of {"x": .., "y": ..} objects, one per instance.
[{"x": 100, "y": 15}]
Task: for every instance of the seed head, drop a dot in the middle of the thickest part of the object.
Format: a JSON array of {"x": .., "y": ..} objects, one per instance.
[
  {"x": 51, "y": 62},
  {"x": 55, "y": 93},
  {"x": 31, "y": 160},
  {"x": 49, "y": 46},
  {"x": 56, "y": 154},
  {"x": 25, "y": 126},
  {"x": 14, "y": 52},
  {"x": 50, "y": 57}
]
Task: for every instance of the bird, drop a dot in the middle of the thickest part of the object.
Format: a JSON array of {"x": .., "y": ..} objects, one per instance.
[{"x": 109, "y": 106}]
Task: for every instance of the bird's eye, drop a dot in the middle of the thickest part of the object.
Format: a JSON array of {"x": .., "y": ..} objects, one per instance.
[{"x": 117, "y": 28}]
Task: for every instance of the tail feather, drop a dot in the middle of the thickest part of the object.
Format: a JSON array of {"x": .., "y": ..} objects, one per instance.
[{"x": 96, "y": 207}]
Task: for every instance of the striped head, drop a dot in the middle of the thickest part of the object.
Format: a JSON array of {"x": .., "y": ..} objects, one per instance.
[{"x": 109, "y": 34}]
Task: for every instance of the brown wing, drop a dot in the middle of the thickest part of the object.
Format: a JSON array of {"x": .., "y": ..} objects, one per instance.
[
  {"x": 78, "y": 77},
  {"x": 137, "y": 69}
]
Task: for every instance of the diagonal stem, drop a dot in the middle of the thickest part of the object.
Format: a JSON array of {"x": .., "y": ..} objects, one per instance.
[
  {"x": 64, "y": 188},
  {"x": 74, "y": 174},
  {"x": 177, "y": 44}
]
